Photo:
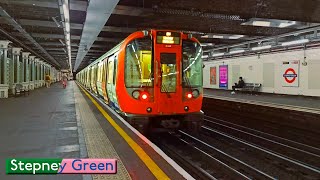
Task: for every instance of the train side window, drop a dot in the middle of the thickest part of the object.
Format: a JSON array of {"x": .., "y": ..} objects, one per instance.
[
  {"x": 105, "y": 70},
  {"x": 110, "y": 72},
  {"x": 115, "y": 69}
]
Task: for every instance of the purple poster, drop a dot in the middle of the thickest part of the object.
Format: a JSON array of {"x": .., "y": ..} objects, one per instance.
[{"x": 223, "y": 76}]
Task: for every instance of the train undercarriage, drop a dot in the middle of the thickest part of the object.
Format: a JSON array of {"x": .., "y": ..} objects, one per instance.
[{"x": 146, "y": 124}]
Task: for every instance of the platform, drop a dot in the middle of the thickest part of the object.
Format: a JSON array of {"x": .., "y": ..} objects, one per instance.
[
  {"x": 68, "y": 123},
  {"x": 299, "y": 103}
]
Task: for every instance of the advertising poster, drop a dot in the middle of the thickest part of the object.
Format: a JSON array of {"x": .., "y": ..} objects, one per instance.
[
  {"x": 223, "y": 76},
  {"x": 290, "y": 73},
  {"x": 213, "y": 75}
]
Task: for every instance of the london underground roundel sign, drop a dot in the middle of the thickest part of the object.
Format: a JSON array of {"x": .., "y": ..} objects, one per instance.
[{"x": 290, "y": 75}]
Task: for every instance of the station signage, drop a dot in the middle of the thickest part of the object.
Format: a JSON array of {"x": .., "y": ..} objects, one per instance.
[
  {"x": 213, "y": 75},
  {"x": 223, "y": 76},
  {"x": 290, "y": 73}
]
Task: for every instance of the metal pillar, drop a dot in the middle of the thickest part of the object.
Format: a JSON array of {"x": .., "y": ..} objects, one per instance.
[
  {"x": 41, "y": 76},
  {"x": 14, "y": 69},
  {"x": 4, "y": 73},
  {"x": 26, "y": 70},
  {"x": 36, "y": 73},
  {"x": 31, "y": 74}
]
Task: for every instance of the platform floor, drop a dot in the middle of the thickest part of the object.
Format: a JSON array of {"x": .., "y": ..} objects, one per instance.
[
  {"x": 286, "y": 100},
  {"x": 64, "y": 123}
]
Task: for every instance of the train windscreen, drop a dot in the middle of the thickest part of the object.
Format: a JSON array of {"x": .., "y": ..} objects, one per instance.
[
  {"x": 139, "y": 63},
  {"x": 192, "y": 64}
]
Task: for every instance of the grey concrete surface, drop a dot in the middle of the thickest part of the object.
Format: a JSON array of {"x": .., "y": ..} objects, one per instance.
[
  {"x": 309, "y": 102},
  {"x": 41, "y": 125}
]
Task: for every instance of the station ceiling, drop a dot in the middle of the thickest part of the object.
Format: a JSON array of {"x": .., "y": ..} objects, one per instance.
[{"x": 214, "y": 23}]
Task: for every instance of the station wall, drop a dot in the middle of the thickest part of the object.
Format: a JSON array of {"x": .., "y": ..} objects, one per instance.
[{"x": 268, "y": 69}]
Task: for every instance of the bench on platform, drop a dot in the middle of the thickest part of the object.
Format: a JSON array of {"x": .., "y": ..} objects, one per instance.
[
  {"x": 21, "y": 90},
  {"x": 251, "y": 87}
]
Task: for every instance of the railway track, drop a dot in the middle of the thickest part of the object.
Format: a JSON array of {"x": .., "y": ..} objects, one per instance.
[
  {"x": 225, "y": 150},
  {"x": 310, "y": 154},
  {"x": 199, "y": 163},
  {"x": 281, "y": 122},
  {"x": 289, "y": 159}
]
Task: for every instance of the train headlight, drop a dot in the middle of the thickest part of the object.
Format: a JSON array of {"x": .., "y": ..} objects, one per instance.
[
  {"x": 136, "y": 94},
  {"x": 195, "y": 93},
  {"x": 189, "y": 95},
  {"x": 186, "y": 108},
  {"x": 144, "y": 96}
]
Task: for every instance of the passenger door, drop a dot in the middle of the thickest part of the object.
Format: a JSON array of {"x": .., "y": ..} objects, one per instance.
[
  {"x": 167, "y": 91},
  {"x": 111, "y": 82}
]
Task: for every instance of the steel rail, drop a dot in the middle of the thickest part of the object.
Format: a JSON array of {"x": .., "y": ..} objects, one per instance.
[
  {"x": 294, "y": 161},
  {"x": 229, "y": 156},
  {"x": 288, "y": 140},
  {"x": 215, "y": 159},
  {"x": 260, "y": 137}
]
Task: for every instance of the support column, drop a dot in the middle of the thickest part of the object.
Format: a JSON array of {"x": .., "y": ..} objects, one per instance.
[
  {"x": 15, "y": 69},
  {"x": 4, "y": 66},
  {"x": 41, "y": 64},
  {"x": 31, "y": 74},
  {"x": 25, "y": 61},
  {"x": 53, "y": 73},
  {"x": 36, "y": 65}
]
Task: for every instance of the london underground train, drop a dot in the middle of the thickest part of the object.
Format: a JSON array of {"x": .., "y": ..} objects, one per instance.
[{"x": 152, "y": 78}]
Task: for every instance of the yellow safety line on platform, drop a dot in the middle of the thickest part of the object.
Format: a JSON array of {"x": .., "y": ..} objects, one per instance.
[{"x": 153, "y": 167}]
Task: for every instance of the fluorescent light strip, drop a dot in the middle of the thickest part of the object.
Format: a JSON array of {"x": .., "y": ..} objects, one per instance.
[
  {"x": 261, "y": 23},
  {"x": 55, "y": 20},
  {"x": 67, "y": 27},
  {"x": 236, "y": 36},
  {"x": 287, "y": 24},
  {"x": 260, "y": 48},
  {"x": 237, "y": 51},
  {"x": 295, "y": 42},
  {"x": 66, "y": 14},
  {"x": 206, "y": 44},
  {"x": 218, "y": 54},
  {"x": 217, "y": 36},
  {"x": 62, "y": 42},
  {"x": 66, "y": 10}
]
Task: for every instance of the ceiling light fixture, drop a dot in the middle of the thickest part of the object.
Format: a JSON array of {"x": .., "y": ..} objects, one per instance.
[
  {"x": 66, "y": 17},
  {"x": 261, "y": 23},
  {"x": 301, "y": 41},
  {"x": 55, "y": 20},
  {"x": 217, "y": 36},
  {"x": 236, "y": 36},
  {"x": 206, "y": 44},
  {"x": 217, "y": 54},
  {"x": 287, "y": 24},
  {"x": 261, "y": 48},
  {"x": 62, "y": 42},
  {"x": 237, "y": 51}
]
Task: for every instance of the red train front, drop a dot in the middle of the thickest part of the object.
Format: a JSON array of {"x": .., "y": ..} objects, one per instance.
[
  {"x": 160, "y": 80},
  {"x": 157, "y": 80}
]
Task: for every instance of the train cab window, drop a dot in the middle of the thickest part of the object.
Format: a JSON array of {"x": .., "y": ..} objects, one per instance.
[
  {"x": 192, "y": 64},
  {"x": 168, "y": 72},
  {"x": 139, "y": 63}
]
